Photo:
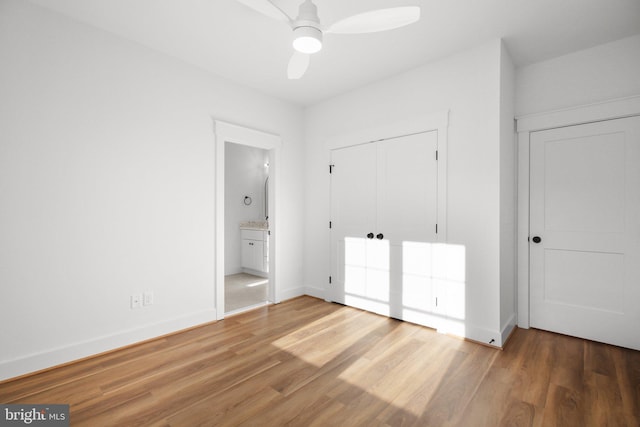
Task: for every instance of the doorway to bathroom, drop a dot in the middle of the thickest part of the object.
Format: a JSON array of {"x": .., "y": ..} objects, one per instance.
[
  {"x": 230, "y": 223},
  {"x": 247, "y": 232}
]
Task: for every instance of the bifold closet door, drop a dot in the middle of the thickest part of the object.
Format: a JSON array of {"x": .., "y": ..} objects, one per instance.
[
  {"x": 383, "y": 214},
  {"x": 585, "y": 231}
]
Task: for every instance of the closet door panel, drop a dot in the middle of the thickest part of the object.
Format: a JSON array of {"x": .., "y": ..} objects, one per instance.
[
  {"x": 353, "y": 216},
  {"x": 407, "y": 217}
]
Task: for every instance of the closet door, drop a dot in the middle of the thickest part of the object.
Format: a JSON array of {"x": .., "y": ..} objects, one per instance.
[
  {"x": 383, "y": 213},
  {"x": 353, "y": 217},
  {"x": 407, "y": 217}
]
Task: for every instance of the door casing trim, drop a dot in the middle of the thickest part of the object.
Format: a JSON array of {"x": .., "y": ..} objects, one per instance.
[{"x": 230, "y": 132}]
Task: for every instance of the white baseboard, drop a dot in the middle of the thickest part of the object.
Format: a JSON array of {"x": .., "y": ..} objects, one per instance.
[
  {"x": 254, "y": 272},
  {"x": 315, "y": 292},
  {"x": 58, "y": 356},
  {"x": 290, "y": 293},
  {"x": 234, "y": 270},
  {"x": 508, "y": 328},
  {"x": 481, "y": 335},
  {"x": 490, "y": 337}
]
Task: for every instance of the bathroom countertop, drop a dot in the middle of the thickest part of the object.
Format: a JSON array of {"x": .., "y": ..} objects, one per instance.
[{"x": 254, "y": 225}]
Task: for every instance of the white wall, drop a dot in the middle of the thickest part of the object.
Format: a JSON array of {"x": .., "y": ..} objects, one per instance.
[
  {"x": 604, "y": 72},
  {"x": 106, "y": 188},
  {"x": 245, "y": 174},
  {"x": 508, "y": 205},
  {"x": 467, "y": 84}
]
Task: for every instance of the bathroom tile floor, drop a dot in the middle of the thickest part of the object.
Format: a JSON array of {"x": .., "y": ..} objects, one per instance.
[{"x": 244, "y": 291}]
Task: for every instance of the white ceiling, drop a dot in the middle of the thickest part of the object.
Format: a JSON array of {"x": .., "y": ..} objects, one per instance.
[{"x": 233, "y": 41}]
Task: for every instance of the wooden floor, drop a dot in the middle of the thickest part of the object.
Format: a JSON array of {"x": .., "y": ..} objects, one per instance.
[{"x": 306, "y": 362}]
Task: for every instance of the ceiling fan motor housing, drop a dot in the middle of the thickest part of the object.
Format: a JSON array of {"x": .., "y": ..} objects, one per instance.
[
  {"x": 307, "y": 35},
  {"x": 307, "y": 15}
]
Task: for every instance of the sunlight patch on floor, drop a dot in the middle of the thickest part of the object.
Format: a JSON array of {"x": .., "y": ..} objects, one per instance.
[{"x": 395, "y": 354}]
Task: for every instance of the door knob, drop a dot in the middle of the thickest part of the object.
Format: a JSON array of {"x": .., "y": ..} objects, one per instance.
[
  {"x": 380, "y": 236},
  {"x": 536, "y": 239},
  {"x": 370, "y": 236}
]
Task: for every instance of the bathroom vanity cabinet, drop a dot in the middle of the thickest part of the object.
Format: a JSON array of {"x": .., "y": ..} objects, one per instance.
[{"x": 255, "y": 250}]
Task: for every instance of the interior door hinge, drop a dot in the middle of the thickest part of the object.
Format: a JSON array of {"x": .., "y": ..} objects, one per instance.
[
  {"x": 331, "y": 168},
  {"x": 436, "y": 154},
  {"x": 329, "y": 279},
  {"x": 329, "y": 224},
  {"x": 436, "y": 228}
]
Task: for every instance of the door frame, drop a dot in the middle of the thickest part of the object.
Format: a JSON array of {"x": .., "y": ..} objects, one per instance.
[
  {"x": 525, "y": 125},
  {"x": 230, "y": 132}
]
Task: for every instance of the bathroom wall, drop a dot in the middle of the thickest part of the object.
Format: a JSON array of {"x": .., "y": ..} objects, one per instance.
[{"x": 244, "y": 175}]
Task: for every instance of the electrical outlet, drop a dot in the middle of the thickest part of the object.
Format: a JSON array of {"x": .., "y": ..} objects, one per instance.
[
  {"x": 148, "y": 298},
  {"x": 136, "y": 301}
]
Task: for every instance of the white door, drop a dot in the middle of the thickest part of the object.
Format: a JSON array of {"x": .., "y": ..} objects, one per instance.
[
  {"x": 585, "y": 231},
  {"x": 353, "y": 218},
  {"x": 407, "y": 217},
  {"x": 384, "y": 214}
]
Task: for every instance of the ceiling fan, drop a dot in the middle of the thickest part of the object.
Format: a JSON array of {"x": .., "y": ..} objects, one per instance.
[{"x": 308, "y": 32}]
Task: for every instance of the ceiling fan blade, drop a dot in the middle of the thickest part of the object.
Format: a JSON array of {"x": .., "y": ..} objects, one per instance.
[
  {"x": 298, "y": 65},
  {"x": 376, "y": 20},
  {"x": 267, "y": 8}
]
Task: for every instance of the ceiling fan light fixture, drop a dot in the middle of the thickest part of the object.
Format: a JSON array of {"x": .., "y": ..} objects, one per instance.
[
  {"x": 307, "y": 39},
  {"x": 308, "y": 32}
]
